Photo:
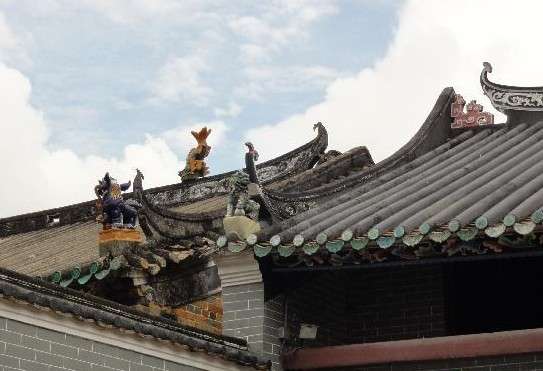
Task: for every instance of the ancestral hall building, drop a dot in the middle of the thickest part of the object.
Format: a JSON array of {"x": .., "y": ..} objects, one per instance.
[{"x": 315, "y": 260}]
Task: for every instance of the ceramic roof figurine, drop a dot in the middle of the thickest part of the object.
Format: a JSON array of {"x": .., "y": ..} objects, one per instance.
[{"x": 195, "y": 166}]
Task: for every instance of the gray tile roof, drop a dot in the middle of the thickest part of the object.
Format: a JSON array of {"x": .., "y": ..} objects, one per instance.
[
  {"x": 45, "y": 249},
  {"x": 481, "y": 182}
]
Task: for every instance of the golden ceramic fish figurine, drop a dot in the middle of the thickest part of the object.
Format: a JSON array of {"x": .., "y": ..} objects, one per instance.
[{"x": 195, "y": 166}]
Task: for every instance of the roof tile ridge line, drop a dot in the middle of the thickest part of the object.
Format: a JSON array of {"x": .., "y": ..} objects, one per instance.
[
  {"x": 384, "y": 182},
  {"x": 498, "y": 194},
  {"x": 421, "y": 189},
  {"x": 456, "y": 144},
  {"x": 360, "y": 151},
  {"x": 520, "y": 211},
  {"x": 531, "y": 152},
  {"x": 487, "y": 68},
  {"x": 437, "y": 112},
  {"x": 176, "y": 186},
  {"x": 497, "y": 149},
  {"x": 191, "y": 217},
  {"x": 32, "y": 285},
  {"x": 46, "y": 212},
  {"x": 410, "y": 223},
  {"x": 23, "y": 238},
  {"x": 159, "y": 188},
  {"x": 504, "y": 207}
]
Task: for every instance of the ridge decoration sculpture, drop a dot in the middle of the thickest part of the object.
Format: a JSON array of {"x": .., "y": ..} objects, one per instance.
[
  {"x": 195, "y": 166},
  {"x": 242, "y": 213},
  {"x": 239, "y": 202},
  {"x": 510, "y": 98},
  {"x": 473, "y": 117},
  {"x": 111, "y": 209}
]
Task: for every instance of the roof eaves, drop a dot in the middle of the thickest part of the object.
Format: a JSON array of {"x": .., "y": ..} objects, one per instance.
[{"x": 85, "y": 307}]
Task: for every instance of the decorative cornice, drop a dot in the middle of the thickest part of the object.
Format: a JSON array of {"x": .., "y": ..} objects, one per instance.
[
  {"x": 238, "y": 268},
  {"x": 511, "y": 98},
  {"x": 473, "y": 117}
]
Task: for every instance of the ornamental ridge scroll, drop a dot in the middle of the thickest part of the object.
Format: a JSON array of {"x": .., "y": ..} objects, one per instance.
[
  {"x": 473, "y": 117},
  {"x": 505, "y": 98}
]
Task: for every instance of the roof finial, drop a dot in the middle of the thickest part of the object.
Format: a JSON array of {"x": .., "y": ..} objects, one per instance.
[{"x": 195, "y": 166}]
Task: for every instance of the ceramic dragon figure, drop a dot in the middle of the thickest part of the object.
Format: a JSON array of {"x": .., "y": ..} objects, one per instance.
[{"x": 195, "y": 166}]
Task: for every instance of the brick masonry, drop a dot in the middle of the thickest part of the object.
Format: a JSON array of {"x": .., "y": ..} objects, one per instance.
[
  {"x": 518, "y": 362},
  {"x": 205, "y": 314},
  {"x": 31, "y": 348},
  {"x": 247, "y": 316},
  {"x": 369, "y": 305}
]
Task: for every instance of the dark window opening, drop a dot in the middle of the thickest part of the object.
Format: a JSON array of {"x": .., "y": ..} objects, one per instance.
[{"x": 494, "y": 295}]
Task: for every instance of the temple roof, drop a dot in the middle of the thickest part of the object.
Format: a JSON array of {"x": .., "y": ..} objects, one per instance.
[
  {"x": 477, "y": 180},
  {"x": 479, "y": 184},
  {"x": 44, "y": 242}
]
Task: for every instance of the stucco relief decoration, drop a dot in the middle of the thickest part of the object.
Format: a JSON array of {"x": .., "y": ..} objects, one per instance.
[
  {"x": 506, "y": 98},
  {"x": 474, "y": 115}
]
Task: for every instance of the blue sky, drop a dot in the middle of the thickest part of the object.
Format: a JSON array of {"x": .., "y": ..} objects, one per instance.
[
  {"x": 91, "y": 86},
  {"x": 96, "y": 74}
]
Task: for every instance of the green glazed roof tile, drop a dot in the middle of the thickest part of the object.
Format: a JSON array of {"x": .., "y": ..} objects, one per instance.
[
  {"x": 310, "y": 248},
  {"x": 467, "y": 234},
  {"x": 385, "y": 242},
  {"x": 439, "y": 236},
  {"x": 359, "y": 243},
  {"x": 347, "y": 235},
  {"x": 524, "y": 228},
  {"x": 412, "y": 239},
  {"x": 334, "y": 246},
  {"x": 495, "y": 230},
  {"x": 286, "y": 250},
  {"x": 236, "y": 246},
  {"x": 262, "y": 251},
  {"x": 321, "y": 238}
]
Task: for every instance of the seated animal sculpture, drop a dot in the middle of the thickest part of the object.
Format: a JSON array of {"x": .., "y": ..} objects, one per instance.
[
  {"x": 239, "y": 203},
  {"x": 112, "y": 210},
  {"x": 195, "y": 166}
]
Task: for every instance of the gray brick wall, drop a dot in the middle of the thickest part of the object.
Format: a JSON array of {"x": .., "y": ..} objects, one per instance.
[
  {"x": 31, "y": 348},
  {"x": 247, "y": 316}
]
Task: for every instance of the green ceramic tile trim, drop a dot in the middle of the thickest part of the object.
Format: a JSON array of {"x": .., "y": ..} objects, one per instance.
[
  {"x": 467, "y": 234},
  {"x": 495, "y": 230},
  {"x": 261, "y": 250},
  {"x": 310, "y": 248},
  {"x": 286, "y": 250},
  {"x": 334, "y": 246}
]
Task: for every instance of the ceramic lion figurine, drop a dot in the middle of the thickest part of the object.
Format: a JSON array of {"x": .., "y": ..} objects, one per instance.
[{"x": 195, "y": 166}]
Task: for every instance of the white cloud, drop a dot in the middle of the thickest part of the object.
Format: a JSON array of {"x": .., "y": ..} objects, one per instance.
[
  {"x": 131, "y": 11},
  {"x": 11, "y": 46},
  {"x": 36, "y": 177},
  {"x": 435, "y": 45},
  {"x": 278, "y": 24},
  {"x": 232, "y": 110},
  {"x": 180, "y": 80},
  {"x": 266, "y": 79}
]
